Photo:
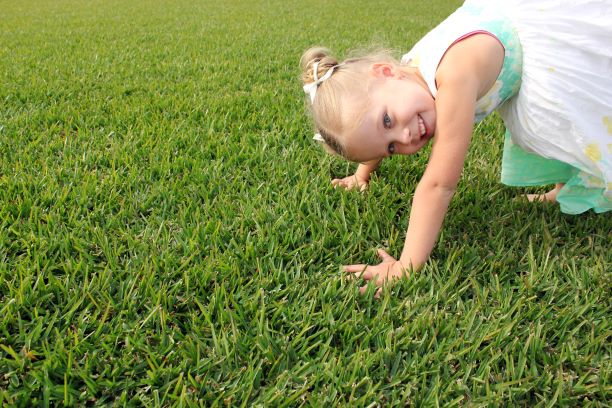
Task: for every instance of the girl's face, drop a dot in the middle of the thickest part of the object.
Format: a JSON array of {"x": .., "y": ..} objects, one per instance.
[{"x": 400, "y": 117}]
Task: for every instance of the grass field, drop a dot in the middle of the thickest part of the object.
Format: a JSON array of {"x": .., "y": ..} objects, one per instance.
[{"x": 169, "y": 236}]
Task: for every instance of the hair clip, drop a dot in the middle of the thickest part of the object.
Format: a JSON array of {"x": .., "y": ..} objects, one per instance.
[{"x": 311, "y": 88}]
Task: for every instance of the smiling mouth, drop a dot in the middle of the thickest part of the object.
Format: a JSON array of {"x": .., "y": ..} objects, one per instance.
[{"x": 422, "y": 127}]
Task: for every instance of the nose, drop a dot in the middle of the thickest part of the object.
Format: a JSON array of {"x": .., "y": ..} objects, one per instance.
[{"x": 405, "y": 136}]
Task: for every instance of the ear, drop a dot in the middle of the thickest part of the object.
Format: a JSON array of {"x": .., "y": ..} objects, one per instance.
[{"x": 383, "y": 69}]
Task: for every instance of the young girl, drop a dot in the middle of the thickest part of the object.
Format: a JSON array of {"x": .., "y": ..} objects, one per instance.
[{"x": 545, "y": 65}]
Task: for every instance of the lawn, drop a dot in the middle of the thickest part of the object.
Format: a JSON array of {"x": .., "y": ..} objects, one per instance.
[{"x": 169, "y": 235}]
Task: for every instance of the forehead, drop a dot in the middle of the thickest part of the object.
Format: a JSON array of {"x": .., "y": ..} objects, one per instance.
[
  {"x": 352, "y": 114},
  {"x": 363, "y": 108},
  {"x": 363, "y": 142}
]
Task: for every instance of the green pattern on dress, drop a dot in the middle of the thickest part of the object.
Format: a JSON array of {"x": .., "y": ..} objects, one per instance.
[
  {"x": 520, "y": 167},
  {"x": 509, "y": 79}
]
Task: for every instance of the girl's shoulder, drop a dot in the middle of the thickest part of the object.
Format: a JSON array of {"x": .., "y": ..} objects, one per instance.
[{"x": 473, "y": 17}]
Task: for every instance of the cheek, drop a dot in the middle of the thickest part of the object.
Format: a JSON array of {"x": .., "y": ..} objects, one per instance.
[
  {"x": 412, "y": 149},
  {"x": 422, "y": 144}
]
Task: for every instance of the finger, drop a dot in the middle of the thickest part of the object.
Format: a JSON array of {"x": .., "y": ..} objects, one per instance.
[
  {"x": 360, "y": 271},
  {"x": 354, "y": 274},
  {"x": 364, "y": 289},
  {"x": 354, "y": 268},
  {"x": 381, "y": 280},
  {"x": 378, "y": 293},
  {"x": 363, "y": 187},
  {"x": 343, "y": 184},
  {"x": 384, "y": 255}
]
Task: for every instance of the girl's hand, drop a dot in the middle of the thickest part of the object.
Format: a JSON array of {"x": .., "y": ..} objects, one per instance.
[
  {"x": 389, "y": 268},
  {"x": 351, "y": 182}
]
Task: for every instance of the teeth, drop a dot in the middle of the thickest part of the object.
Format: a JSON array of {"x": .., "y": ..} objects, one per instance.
[{"x": 422, "y": 128}]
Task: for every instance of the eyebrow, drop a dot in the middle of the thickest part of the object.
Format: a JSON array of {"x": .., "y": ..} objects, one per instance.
[
  {"x": 380, "y": 121},
  {"x": 380, "y": 125}
]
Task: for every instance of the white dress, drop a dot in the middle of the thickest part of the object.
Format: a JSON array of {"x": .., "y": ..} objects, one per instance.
[{"x": 559, "y": 118}]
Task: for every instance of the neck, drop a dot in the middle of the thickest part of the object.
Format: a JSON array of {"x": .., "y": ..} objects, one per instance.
[{"x": 414, "y": 74}]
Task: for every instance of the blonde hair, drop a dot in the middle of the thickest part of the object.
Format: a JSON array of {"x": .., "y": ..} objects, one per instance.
[{"x": 349, "y": 80}]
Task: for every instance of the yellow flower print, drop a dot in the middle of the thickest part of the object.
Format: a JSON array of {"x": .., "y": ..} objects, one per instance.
[
  {"x": 414, "y": 61},
  {"x": 491, "y": 99},
  {"x": 592, "y": 181},
  {"x": 607, "y": 121},
  {"x": 592, "y": 152}
]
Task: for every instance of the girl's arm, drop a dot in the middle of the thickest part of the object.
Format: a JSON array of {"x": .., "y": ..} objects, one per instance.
[
  {"x": 467, "y": 71},
  {"x": 361, "y": 178},
  {"x": 455, "y": 108}
]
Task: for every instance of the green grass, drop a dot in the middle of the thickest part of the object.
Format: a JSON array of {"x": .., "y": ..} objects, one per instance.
[{"x": 169, "y": 236}]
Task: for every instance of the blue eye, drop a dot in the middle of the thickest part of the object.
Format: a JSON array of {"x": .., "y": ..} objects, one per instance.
[
  {"x": 386, "y": 121},
  {"x": 391, "y": 148}
]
